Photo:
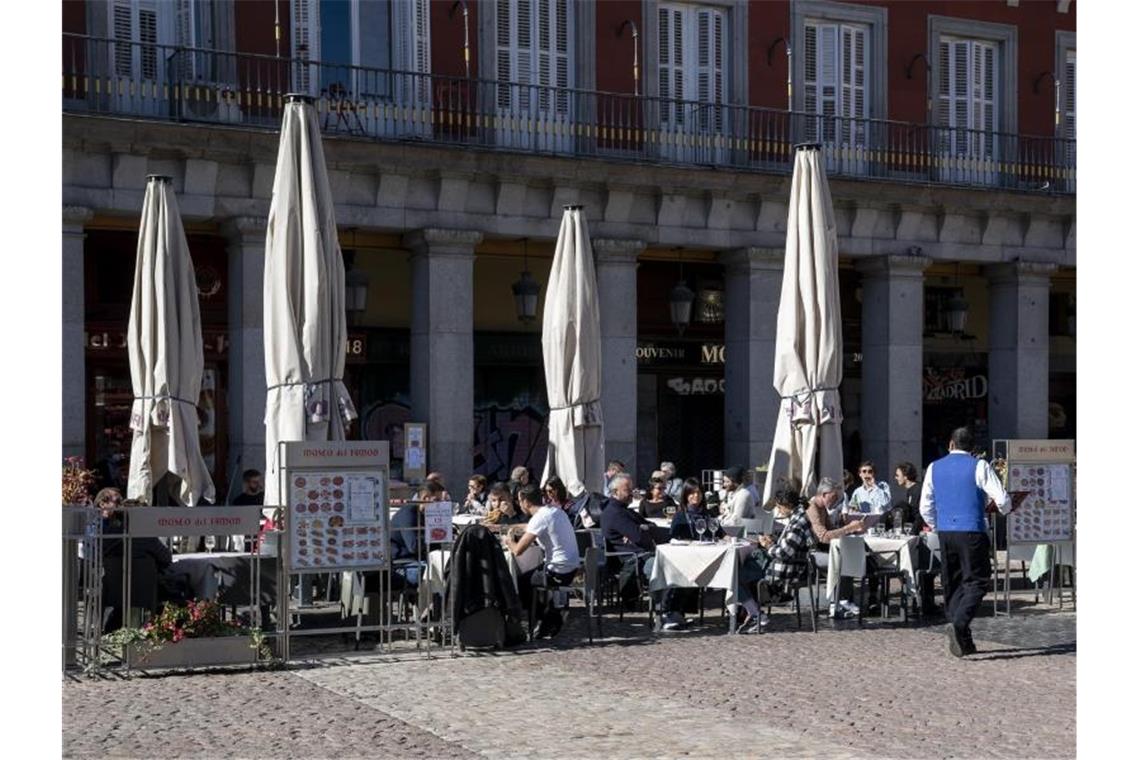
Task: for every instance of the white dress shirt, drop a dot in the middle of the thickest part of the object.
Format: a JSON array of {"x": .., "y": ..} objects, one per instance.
[
  {"x": 985, "y": 478},
  {"x": 877, "y": 497}
]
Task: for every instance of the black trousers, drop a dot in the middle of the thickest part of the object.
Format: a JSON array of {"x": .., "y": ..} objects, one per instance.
[{"x": 965, "y": 574}]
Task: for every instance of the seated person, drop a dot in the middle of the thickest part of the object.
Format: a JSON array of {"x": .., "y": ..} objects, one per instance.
[
  {"x": 168, "y": 584},
  {"x": 141, "y": 547},
  {"x": 252, "y": 490},
  {"x": 870, "y": 497},
  {"x": 788, "y": 555},
  {"x": 554, "y": 493},
  {"x": 406, "y": 527},
  {"x": 437, "y": 477},
  {"x": 656, "y": 502},
  {"x": 551, "y": 528},
  {"x": 692, "y": 500},
  {"x": 624, "y": 529},
  {"x": 476, "y": 501},
  {"x": 501, "y": 509},
  {"x": 741, "y": 504},
  {"x": 826, "y": 528},
  {"x": 629, "y": 538}
]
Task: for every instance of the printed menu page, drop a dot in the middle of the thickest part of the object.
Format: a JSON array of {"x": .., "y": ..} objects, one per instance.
[
  {"x": 336, "y": 520},
  {"x": 1047, "y": 513}
]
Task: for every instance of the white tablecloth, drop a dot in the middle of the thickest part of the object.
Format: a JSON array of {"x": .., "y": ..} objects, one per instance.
[
  {"x": 849, "y": 552},
  {"x": 700, "y": 565},
  {"x": 1044, "y": 559},
  {"x": 203, "y": 570},
  {"x": 527, "y": 561}
]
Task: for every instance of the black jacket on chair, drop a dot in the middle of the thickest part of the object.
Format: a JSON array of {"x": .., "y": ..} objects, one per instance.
[{"x": 478, "y": 578}]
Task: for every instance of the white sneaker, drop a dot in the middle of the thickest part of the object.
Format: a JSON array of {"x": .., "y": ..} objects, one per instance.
[
  {"x": 852, "y": 609},
  {"x": 763, "y": 619},
  {"x": 840, "y": 612}
]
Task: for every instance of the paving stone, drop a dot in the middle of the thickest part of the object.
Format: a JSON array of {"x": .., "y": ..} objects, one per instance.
[{"x": 881, "y": 691}]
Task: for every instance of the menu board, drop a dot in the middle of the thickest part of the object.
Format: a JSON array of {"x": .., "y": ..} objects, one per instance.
[
  {"x": 336, "y": 494},
  {"x": 336, "y": 519},
  {"x": 1046, "y": 515}
]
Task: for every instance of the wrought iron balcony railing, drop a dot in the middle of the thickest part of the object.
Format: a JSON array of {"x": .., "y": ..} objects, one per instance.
[{"x": 193, "y": 85}]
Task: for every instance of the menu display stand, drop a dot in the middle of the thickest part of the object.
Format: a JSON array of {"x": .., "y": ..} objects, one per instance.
[
  {"x": 1043, "y": 470},
  {"x": 335, "y": 517}
]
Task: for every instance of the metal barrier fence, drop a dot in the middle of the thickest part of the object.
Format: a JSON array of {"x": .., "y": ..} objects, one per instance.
[
  {"x": 115, "y": 77},
  {"x": 403, "y": 602}
]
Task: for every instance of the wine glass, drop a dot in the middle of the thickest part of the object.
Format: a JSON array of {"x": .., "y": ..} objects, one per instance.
[
  {"x": 701, "y": 525},
  {"x": 713, "y": 525}
]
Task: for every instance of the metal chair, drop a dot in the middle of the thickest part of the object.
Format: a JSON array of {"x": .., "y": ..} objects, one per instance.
[
  {"x": 922, "y": 572},
  {"x": 808, "y": 581},
  {"x": 586, "y": 584},
  {"x": 883, "y": 575}
]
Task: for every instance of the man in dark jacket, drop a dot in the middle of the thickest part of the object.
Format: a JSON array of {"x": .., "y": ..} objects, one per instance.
[
  {"x": 627, "y": 534},
  {"x": 625, "y": 530}
]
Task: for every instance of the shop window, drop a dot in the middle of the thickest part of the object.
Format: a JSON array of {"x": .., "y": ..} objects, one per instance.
[{"x": 936, "y": 303}]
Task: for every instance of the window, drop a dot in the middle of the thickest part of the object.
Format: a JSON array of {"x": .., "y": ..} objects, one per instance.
[
  {"x": 835, "y": 81},
  {"x": 532, "y": 47},
  {"x": 967, "y": 96},
  {"x": 201, "y": 26},
  {"x": 974, "y": 88},
  {"x": 691, "y": 54},
  {"x": 839, "y": 63},
  {"x": 134, "y": 26},
  {"x": 353, "y": 39}
]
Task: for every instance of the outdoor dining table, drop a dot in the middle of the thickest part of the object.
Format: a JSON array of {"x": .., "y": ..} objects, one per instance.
[
  {"x": 851, "y": 551},
  {"x": 685, "y": 564},
  {"x": 226, "y": 575}
]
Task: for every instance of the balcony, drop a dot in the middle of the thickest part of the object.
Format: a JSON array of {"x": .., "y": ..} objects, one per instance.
[{"x": 115, "y": 78}]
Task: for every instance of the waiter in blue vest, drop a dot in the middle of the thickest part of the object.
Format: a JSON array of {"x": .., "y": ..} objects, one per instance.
[{"x": 954, "y": 495}]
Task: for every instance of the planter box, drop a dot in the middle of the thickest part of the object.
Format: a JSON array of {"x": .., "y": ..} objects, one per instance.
[{"x": 189, "y": 653}]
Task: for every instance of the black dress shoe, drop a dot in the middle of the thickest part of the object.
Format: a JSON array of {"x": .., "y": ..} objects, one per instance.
[{"x": 968, "y": 646}]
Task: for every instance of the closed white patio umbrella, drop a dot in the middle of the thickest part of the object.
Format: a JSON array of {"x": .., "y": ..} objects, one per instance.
[
  {"x": 809, "y": 340},
  {"x": 305, "y": 329},
  {"x": 164, "y": 344},
  {"x": 572, "y": 360}
]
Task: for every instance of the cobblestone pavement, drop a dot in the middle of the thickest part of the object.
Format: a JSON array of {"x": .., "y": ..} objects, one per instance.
[{"x": 878, "y": 691}]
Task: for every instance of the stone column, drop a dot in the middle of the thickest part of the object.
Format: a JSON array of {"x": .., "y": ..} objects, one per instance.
[
  {"x": 442, "y": 347},
  {"x": 246, "y": 386},
  {"x": 1019, "y": 349},
  {"x": 891, "y": 415},
  {"x": 616, "y": 266},
  {"x": 752, "y": 282},
  {"x": 74, "y": 340}
]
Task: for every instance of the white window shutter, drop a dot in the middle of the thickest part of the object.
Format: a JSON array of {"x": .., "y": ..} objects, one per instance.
[
  {"x": 542, "y": 45},
  {"x": 123, "y": 32},
  {"x": 304, "y": 42},
  {"x": 811, "y": 77},
  {"x": 422, "y": 61},
  {"x": 562, "y": 53},
  {"x": 671, "y": 60},
  {"x": 504, "y": 51},
  {"x": 828, "y": 77},
  {"x": 1070, "y": 96},
  {"x": 148, "y": 37}
]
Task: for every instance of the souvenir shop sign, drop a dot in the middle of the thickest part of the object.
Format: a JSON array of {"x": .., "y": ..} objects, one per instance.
[{"x": 954, "y": 384}]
